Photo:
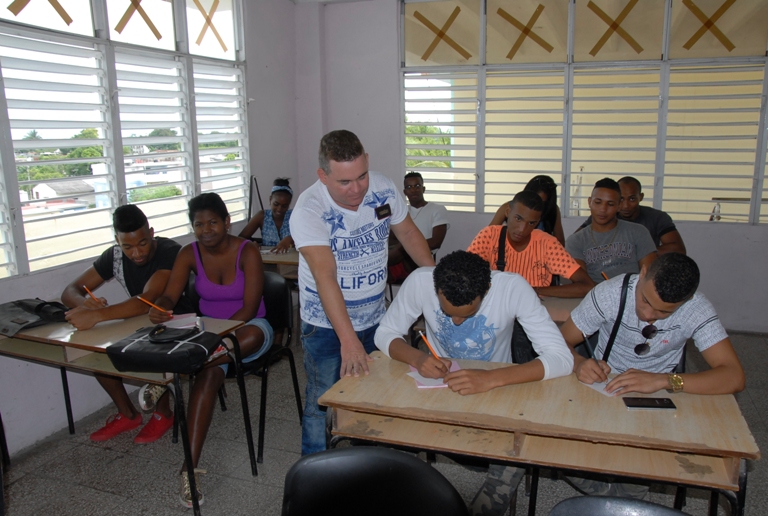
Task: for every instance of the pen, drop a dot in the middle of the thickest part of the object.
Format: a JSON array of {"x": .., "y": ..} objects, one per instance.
[
  {"x": 429, "y": 345},
  {"x": 90, "y": 293},
  {"x": 153, "y": 305},
  {"x": 605, "y": 275}
]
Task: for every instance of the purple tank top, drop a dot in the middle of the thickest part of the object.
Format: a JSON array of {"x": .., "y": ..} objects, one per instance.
[{"x": 222, "y": 301}]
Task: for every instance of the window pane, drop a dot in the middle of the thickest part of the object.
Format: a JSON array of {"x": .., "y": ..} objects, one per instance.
[
  {"x": 523, "y": 131},
  {"x": 222, "y": 138},
  {"x": 508, "y": 24},
  {"x": 618, "y": 30},
  {"x": 442, "y": 33},
  {"x": 150, "y": 24},
  {"x": 711, "y": 140},
  {"x": 737, "y": 28},
  {"x": 215, "y": 38},
  {"x": 615, "y": 116},
  {"x": 56, "y": 106},
  {"x": 65, "y": 15},
  {"x": 441, "y": 135},
  {"x": 155, "y": 139}
]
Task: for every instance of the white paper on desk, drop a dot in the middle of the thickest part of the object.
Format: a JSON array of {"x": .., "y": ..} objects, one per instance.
[
  {"x": 182, "y": 321},
  {"x": 431, "y": 383},
  {"x": 266, "y": 251},
  {"x": 600, "y": 387}
]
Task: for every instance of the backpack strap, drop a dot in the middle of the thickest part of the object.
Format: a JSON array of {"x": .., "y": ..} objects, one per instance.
[
  {"x": 624, "y": 288},
  {"x": 501, "y": 260}
]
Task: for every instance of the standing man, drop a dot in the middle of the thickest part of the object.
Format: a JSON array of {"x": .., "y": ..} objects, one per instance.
[
  {"x": 341, "y": 228},
  {"x": 142, "y": 264},
  {"x": 610, "y": 246},
  {"x": 658, "y": 223}
]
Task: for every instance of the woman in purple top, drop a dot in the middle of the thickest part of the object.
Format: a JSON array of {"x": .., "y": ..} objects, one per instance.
[{"x": 229, "y": 278}]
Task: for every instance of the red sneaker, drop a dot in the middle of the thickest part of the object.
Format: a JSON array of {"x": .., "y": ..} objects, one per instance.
[
  {"x": 116, "y": 425},
  {"x": 155, "y": 428}
]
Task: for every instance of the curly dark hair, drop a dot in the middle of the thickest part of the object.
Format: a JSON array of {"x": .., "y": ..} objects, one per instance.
[
  {"x": 461, "y": 277},
  {"x": 207, "y": 201},
  {"x": 675, "y": 277},
  {"x": 128, "y": 218},
  {"x": 411, "y": 175},
  {"x": 341, "y": 145}
]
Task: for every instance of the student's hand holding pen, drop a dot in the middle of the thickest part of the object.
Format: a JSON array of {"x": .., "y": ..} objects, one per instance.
[
  {"x": 591, "y": 371},
  {"x": 430, "y": 367},
  {"x": 92, "y": 302}
]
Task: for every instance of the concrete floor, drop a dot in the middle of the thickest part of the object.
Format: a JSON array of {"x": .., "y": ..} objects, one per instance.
[{"x": 70, "y": 475}]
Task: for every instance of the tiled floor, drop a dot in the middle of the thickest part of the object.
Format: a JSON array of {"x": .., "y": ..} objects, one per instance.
[{"x": 71, "y": 475}]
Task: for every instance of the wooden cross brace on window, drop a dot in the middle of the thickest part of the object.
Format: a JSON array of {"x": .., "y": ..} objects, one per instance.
[
  {"x": 708, "y": 24},
  {"x": 525, "y": 31},
  {"x": 136, "y": 6},
  {"x": 441, "y": 34},
  {"x": 614, "y": 26},
  {"x": 208, "y": 23},
  {"x": 17, "y": 6}
]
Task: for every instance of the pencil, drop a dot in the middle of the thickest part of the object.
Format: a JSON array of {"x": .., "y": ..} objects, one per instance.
[
  {"x": 90, "y": 293},
  {"x": 605, "y": 275},
  {"x": 429, "y": 345},
  {"x": 153, "y": 305}
]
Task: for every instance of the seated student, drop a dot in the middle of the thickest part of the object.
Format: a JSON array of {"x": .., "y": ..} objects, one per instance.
[
  {"x": 610, "y": 246},
  {"x": 275, "y": 223},
  {"x": 142, "y": 264},
  {"x": 530, "y": 252},
  {"x": 469, "y": 313},
  {"x": 431, "y": 219},
  {"x": 551, "y": 222},
  {"x": 229, "y": 280},
  {"x": 657, "y": 222},
  {"x": 662, "y": 311}
]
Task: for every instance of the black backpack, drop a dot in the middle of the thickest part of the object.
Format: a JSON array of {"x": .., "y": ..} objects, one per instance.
[{"x": 28, "y": 313}]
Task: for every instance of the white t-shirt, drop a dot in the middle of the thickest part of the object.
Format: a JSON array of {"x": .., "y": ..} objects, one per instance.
[
  {"x": 695, "y": 318},
  {"x": 358, "y": 240},
  {"x": 429, "y": 216},
  {"x": 487, "y": 335}
]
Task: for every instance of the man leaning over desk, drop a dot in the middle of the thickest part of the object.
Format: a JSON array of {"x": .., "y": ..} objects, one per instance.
[
  {"x": 469, "y": 313},
  {"x": 663, "y": 310}
]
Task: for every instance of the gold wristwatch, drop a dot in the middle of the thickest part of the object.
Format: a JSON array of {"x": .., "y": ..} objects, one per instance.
[{"x": 675, "y": 382}]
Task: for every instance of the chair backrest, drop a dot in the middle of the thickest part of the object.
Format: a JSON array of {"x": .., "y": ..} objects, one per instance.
[
  {"x": 370, "y": 481},
  {"x": 611, "y": 506},
  {"x": 278, "y": 301}
]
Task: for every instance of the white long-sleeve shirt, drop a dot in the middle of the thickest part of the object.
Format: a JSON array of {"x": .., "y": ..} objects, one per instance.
[{"x": 486, "y": 335}]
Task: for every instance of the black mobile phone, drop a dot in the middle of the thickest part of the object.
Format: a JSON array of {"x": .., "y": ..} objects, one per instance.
[{"x": 649, "y": 403}]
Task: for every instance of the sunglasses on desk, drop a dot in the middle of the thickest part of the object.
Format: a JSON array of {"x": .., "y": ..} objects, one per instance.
[{"x": 648, "y": 332}]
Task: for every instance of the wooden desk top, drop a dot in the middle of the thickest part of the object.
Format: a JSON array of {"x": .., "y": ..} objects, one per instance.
[
  {"x": 289, "y": 258},
  {"x": 560, "y": 308},
  {"x": 563, "y": 408},
  {"x": 107, "y": 333}
]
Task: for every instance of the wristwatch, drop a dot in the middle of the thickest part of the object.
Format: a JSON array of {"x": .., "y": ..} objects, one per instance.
[{"x": 675, "y": 382}]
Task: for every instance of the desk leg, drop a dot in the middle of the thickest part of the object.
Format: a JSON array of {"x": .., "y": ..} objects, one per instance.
[
  {"x": 680, "y": 495},
  {"x": 67, "y": 402},
  {"x": 534, "y": 492},
  {"x": 180, "y": 415},
  {"x": 713, "y": 498},
  {"x": 739, "y": 498},
  {"x": 5, "y": 457}
]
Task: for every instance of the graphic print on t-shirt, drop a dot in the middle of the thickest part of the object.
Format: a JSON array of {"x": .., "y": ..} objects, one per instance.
[{"x": 473, "y": 339}]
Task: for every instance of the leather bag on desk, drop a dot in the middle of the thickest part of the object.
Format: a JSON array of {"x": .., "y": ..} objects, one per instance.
[
  {"x": 28, "y": 313},
  {"x": 164, "y": 350}
]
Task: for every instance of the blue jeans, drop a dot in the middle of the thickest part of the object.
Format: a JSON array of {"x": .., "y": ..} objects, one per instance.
[{"x": 322, "y": 362}]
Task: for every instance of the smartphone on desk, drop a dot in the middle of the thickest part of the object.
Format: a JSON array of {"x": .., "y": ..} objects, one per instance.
[{"x": 649, "y": 403}]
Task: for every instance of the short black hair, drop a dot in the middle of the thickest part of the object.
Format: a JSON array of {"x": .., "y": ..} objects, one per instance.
[
  {"x": 631, "y": 180},
  {"x": 675, "y": 277},
  {"x": 207, "y": 201},
  {"x": 339, "y": 146},
  {"x": 549, "y": 214},
  {"x": 128, "y": 218},
  {"x": 411, "y": 175},
  {"x": 530, "y": 200},
  {"x": 461, "y": 277},
  {"x": 608, "y": 183}
]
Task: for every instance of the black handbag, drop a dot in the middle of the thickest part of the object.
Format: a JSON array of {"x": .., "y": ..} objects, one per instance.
[
  {"x": 160, "y": 349},
  {"x": 29, "y": 313}
]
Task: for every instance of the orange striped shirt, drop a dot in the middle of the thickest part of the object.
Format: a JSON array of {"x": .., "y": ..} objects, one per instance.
[{"x": 537, "y": 263}]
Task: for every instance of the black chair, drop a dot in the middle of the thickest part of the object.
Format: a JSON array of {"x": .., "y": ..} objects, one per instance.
[
  {"x": 611, "y": 506},
  {"x": 5, "y": 462},
  {"x": 368, "y": 480},
  {"x": 279, "y": 305}
]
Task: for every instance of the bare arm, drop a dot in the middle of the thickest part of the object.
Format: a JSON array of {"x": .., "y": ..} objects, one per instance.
[
  {"x": 256, "y": 222},
  {"x": 671, "y": 242},
  {"x": 413, "y": 242},
  {"x": 426, "y": 364},
  {"x": 438, "y": 235},
  {"x": 179, "y": 278},
  {"x": 580, "y": 286},
  {"x": 588, "y": 370},
  {"x": 74, "y": 294},
  {"x": 322, "y": 264},
  {"x": 500, "y": 217},
  {"x": 473, "y": 381},
  {"x": 253, "y": 268}
]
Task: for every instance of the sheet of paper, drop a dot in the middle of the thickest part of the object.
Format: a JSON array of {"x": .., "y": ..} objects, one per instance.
[
  {"x": 600, "y": 387},
  {"x": 431, "y": 383},
  {"x": 182, "y": 321}
]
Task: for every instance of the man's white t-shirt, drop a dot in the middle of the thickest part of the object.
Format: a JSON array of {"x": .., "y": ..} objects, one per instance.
[
  {"x": 429, "y": 216},
  {"x": 358, "y": 240}
]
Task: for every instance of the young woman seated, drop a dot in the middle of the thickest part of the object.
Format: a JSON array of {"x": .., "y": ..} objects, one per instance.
[{"x": 274, "y": 223}]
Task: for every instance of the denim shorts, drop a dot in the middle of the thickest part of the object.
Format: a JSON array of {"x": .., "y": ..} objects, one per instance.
[{"x": 268, "y": 338}]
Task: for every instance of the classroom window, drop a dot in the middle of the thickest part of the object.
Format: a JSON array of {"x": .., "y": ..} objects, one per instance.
[
  {"x": 211, "y": 28},
  {"x": 73, "y": 16},
  {"x": 7, "y": 262},
  {"x": 587, "y": 90},
  {"x": 147, "y": 23}
]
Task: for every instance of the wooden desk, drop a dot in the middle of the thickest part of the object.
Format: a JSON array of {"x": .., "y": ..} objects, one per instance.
[
  {"x": 558, "y": 423},
  {"x": 560, "y": 308},
  {"x": 289, "y": 258}
]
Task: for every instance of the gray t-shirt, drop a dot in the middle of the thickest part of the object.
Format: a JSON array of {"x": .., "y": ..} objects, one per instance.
[
  {"x": 615, "y": 252},
  {"x": 695, "y": 318},
  {"x": 657, "y": 222}
]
